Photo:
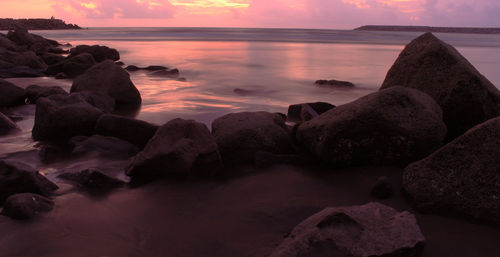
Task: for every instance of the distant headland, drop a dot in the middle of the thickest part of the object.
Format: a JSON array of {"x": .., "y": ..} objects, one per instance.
[
  {"x": 468, "y": 30},
  {"x": 36, "y": 24}
]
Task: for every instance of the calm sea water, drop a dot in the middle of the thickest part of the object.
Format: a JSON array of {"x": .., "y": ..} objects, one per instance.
[{"x": 272, "y": 67}]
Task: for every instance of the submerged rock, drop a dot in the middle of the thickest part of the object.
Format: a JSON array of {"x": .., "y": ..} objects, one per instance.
[
  {"x": 72, "y": 66},
  {"x": 26, "y": 206},
  {"x": 372, "y": 229},
  {"x": 173, "y": 73},
  {"x": 93, "y": 179},
  {"x": 134, "y": 131},
  {"x": 462, "y": 178},
  {"x": 100, "y": 53},
  {"x": 16, "y": 177},
  {"x": 382, "y": 188},
  {"x": 7, "y": 125},
  {"x": 393, "y": 126},
  {"x": 241, "y": 135},
  {"x": 466, "y": 97},
  {"x": 34, "y": 92},
  {"x": 110, "y": 79},
  {"x": 178, "y": 148},
  {"x": 334, "y": 83},
  {"x": 10, "y": 94},
  {"x": 307, "y": 111},
  {"x": 102, "y": 145}
]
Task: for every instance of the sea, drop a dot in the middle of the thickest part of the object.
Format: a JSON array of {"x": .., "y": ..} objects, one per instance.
[{"x": 226, "y": 70}]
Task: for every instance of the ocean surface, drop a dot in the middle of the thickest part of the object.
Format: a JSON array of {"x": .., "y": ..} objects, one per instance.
[{"x": 234, "y": 70}]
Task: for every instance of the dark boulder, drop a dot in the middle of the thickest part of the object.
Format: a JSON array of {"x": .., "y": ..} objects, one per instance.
[
  {"x": 462, "y": 178},
  {"x": 26, "y": 206},
  {"x": 132, "y": 68},
  {"x": 173, "y": 73},
  {"x": 155, "y": 68},
  {"x": 180, "y": 148},
  {"x": 307, "y": 111},
  {"x": 7, "y": 43},
  {"x": 7, "y": 126},
  {"x": 34, "y": 92},
  {"x": 134, "y": 131},
  {"x": 73, "y": 66},
  {"x": 241, "y": 135},
  {"x": 110, "y": 79},
  {"x": 51, "y": 58},
  {"x": 16, "y": 177},
  {"x": 372, "y": 229},
  {"x": 29, "y": 59},
  {"x": 102, "y": 145},
  {"x": 60, "y": 117},
  {"x": 382, "y": 188},
  {"x": 466, "y": 97},
  {"x": 10, "y": 94},
  {"x": 20, "y": 72},
  {"x": 334, "y": 83},
  {"x": 101, "y": 101},
  {"x": 393, "y": 126},
  {"x": 93, "y": 179},
  {"x": 100, "y": 53}
]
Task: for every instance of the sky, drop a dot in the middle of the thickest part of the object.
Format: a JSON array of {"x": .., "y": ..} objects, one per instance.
[{"x": 335, "y": 14}]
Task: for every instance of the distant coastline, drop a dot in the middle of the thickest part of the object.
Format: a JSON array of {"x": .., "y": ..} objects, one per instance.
[
  {"x": 466, "y": 30},
  {"x": 36, "y": 24}
]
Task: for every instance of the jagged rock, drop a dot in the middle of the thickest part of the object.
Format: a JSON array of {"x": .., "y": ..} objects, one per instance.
[
  {"x": 382, "y": 188},
  {"x": 110, "y": 79},
  {"x": 334, "y": 83},
  {"x": 72, "y": 66},
  {"x": 135, "y": 131},
  {"x": 179, "y": 148},
  {"x": 34, "y": 92},
  {"x": 372, "y": 229},
  {"x": 393, "y": 126},
  {"x": 26, "y": 206},
  {"x": 60, "y": 117},
  {"x": 307, "y": 111},
  {"x": 16, "y": 177},
  {"x": 436, "y": 68},
  {"x": 462, "y": 178},
  {"x": 100, "y": 53},
  {"x": 93, "y": 179},
  {"x": 10, "y": 94},
  {"x": 240, "y": 135},
  {"x": 7, "y": 125}
]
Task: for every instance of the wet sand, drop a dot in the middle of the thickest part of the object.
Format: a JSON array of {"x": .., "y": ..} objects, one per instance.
[{"x": 245, "y": 215}]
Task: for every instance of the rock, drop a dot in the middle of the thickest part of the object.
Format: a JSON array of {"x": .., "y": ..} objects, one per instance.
[
  {"x": 7, "y": 43},
  {"x": 57, "y": 50},
  {"x": 102, "y": 145},
  {"x": 334, "y": 83},
  {"x": 93, "y": 179},
  {"x": 10, "y": 94},
  {"x": 62, "y": 75},
  {"x": 20, "y": 36},
  {"x": 155, "y": 68},
  {"x": 461, "y": 178},
  {"x": 34, "y": 92},
  {"x": 51, "y": 58},
  {"x": 72, "y": 66},
  {"x": 393, "y": 126},
  {"x": 307, "y": 111},
  {"x": 132, "y": 68},
  {"x": 20, "y": 72},
  {"x": 179, "y": 148},
  {"x": 16, "y": 177},
  {"x": 240, "y": 135},
  {"x": 120, "y": 63},
  {"x": 30, "y": 59},
  {"x": 372, "y": 229},
  {"x": 110, "y": 79},
  {"x": 466, "y": 97},
  {"x": 382, "y": 188},
  {"x": 60, "y": 117},
  {"x": 174, "y": 73},
  {"x": 26, "y": 206},
  {"x": 101, "y": 101},
  {"x": 100, "y": 53},
  {"x": 7, "y": 126},
  {"x": 134, "y": 131}
]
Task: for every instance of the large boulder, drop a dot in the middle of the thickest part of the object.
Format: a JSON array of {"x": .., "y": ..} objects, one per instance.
[
  {"x": 100, "y": 53},
  {"x": 7, "y": 125},
  {"x": 109, "y": 78},
  {"x": 10, "y": 94},
  {"x": 241, "y": 135},
  {"x": 393, "y": 126},
  {"x": 26, "y": 206},
  {"x": 7, "y": 43},
  {"x": 135, "y": 131},
  {"x": 16, "y": 177},
  {"x": 60, "y": 117},
  {"x": 30, "y": 59},
  {"x": 73, "y": 66},
  {"x": 466, "y": 97},
  {"x": 462, "y": 178},
  {"x": 179, "y": 148},
  {"x": 34, "y": 92},
  {"x": 372, "y": 229},
  {"x": 306, "y": 111}
]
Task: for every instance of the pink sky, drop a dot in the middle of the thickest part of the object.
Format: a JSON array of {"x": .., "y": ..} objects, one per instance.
[{"x": 259, "y": 13}]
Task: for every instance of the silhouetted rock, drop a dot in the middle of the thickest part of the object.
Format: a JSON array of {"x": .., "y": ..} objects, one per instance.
[
  {"x": 334, "y": 83},
  {"x": 173, "y": 73},
  {"x": 51, "y": 58},
  {"x": 20, "y": 72},
  {"x": 10, "y": 94},
  {"x": 7, "y": 125},
  {"x": 93, "y": 179},
  {"x": 26, "y": 206},
  {"x": 461, "y": 178},
  {"x": 179, "y": 148},
  {"x": 240, "y": 135},
  {"x": 155, "y": 68},
  {"x": 132, "y": 68},
  {"x": 436, "y": 68},
  {"x": 16, "y": 177},
  {"x": 101, "y": 101},
  {"x": 7, "y": 43},
  {"x": 372, "y": 229},
  {"x": 135, "y": 131},
  {"x": 34, "y": 92},
  {"x": 100, "y": 53},
  {"x": 393, "y": 126},
  {"x": 73, "y": 66},
  {"x": 103, "y": 145},
  {"x": 60, "y": 117},
  {"x": 110, "y": 79},
  {"x": 33, "y": 24},
  {"x": 307, "y": 111},
  {"x": 382, "y": 188},
  {"x": 29, "y": 59}
]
